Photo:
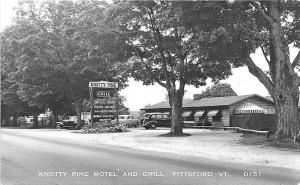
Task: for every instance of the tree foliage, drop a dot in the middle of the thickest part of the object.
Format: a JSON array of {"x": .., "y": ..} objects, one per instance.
[
  {"x": 166, "y": 50},
  {"x": 54, "y": 49},
  {"x": 218, "y": 90}
]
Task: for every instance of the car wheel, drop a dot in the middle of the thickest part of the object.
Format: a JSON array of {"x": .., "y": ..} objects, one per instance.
[
  {"x": 58, "y": 126},
  {"x": 153, "y": 126}
]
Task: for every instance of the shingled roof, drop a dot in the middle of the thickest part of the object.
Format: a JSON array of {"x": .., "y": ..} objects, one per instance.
[
  {"x": 221, "y": 101},
  {"x": 165, "y": 104},
  {"x": 207, "y": 102}
]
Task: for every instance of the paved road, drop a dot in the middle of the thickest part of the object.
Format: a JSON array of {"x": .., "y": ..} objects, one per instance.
[{"x": 28, "y": 160}]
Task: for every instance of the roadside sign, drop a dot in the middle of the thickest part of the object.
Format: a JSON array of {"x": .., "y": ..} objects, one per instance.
[
  {"x": 103, "y": 95},
  {"x": 99, "y": 93},
  {"x": 105, "y": 107},
  {"x": 104, "y": 85}
]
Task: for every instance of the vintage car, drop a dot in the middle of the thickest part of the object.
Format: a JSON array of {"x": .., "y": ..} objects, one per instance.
[
  {"x": 153, "y": 120},
  {"x": 127, "y": 120},
  {"x": 68, "y": 122}
]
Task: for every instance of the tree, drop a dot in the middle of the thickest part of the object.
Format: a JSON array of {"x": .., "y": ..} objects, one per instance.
[
  {"x": 121, "y": 108},
  {"x": 11, "y": 104},
  {"x": 58, "y": 48},
  {"x": 163, "y": 48},
  {"x": 37, "y": 50},
  {"x": 270, "y": 26},
  {"x": 105, "y": 51},
  {"x": 167, "y": 96},
  {"x": 218, "y": 90}
]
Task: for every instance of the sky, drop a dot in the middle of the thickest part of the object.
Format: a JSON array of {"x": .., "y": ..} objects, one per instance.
[{"x": 137, "y": 95}]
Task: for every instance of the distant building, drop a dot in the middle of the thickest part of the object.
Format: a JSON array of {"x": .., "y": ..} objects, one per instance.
[{"x": 248, "y": 111}]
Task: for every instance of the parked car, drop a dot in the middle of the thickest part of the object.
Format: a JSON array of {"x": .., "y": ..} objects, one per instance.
[
  {"x": 29, "y": 121},
  {"x": 68, "y": 122},
  {"x": 127, "y": 120},
  {"x": 153, "y": 120}
]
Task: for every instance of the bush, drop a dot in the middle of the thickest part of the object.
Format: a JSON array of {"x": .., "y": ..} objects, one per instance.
[{"x": 102, "y": 128}]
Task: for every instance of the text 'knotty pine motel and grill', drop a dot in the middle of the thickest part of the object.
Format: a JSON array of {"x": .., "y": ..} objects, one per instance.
[{"x": 247, "y": 111}]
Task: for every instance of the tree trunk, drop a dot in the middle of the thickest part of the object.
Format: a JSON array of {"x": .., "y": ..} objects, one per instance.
[
  {"x": 78, "y": 107},
  {"x": 282, "y": 84},
  {"x": 35, "y": 120},
  {"x": 4, "y": 117},
  {"x": 286, "y": 103},
  {"x": 14, "y": 120},
  {"x": 286, "y": 90},
  {"x": 176, "y": 113},
  {"x": 6, "y": 120},
  {"x": 55, "y": 118}
]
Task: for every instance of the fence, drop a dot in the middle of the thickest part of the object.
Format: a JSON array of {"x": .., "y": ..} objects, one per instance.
[{"x": 254, "y": 121}]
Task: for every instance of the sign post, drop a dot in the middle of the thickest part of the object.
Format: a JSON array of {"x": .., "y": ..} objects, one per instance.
[
  {"x": 92, "y": 107},
  {"x": 117, "y": 107},
  {"x": 103, "y": 97}
]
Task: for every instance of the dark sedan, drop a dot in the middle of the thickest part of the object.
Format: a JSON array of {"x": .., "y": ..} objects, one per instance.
[
  {"x": 153, "y": 120},
  {"x": 68, "y": 122}
]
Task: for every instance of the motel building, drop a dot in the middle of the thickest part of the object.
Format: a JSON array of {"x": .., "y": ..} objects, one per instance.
[{"x": 247, "y": 111}]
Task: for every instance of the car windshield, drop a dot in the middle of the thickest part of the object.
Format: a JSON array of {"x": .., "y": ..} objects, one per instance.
[
  {"x": 165, "y": 116},
  {"x": 121, "y": 117},
  {"x": 158, "y": 116},
  {"x": 73, "y": 118},
  {"x": 147, "y": 116}
]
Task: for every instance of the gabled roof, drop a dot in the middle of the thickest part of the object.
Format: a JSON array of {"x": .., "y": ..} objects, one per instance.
[
  {"x": 165, "y": 105},
  {"x": 222, "y": 101},
  {"x": 208, "y": 102},
  {"x": 160, "y": 105},
  {"x": 248, "y": 107}
]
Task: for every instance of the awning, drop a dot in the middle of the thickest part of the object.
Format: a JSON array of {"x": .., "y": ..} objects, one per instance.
[
  {"x": 199, "y": 113},
  {"x": 249, "y": 108},
  {"x": 186, "y": 113},
  {"x": 212, "y": 113}
]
